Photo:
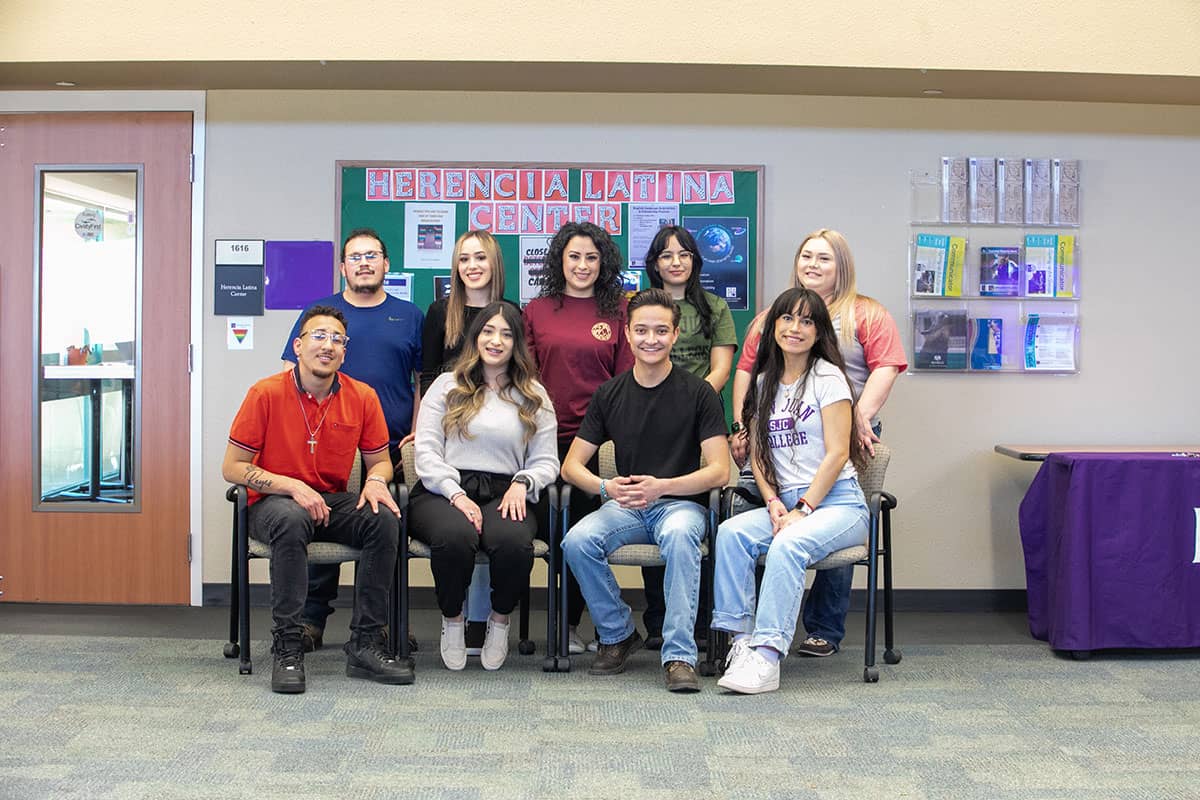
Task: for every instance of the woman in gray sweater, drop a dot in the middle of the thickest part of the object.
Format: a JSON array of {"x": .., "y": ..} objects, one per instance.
[{"x": 485, "y": 449}]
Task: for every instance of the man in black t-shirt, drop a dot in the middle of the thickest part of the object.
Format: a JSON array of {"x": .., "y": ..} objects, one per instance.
[{"x": 661, "y": 419}]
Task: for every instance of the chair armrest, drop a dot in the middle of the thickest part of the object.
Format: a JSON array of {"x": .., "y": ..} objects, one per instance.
[{"x": 231, "y": 494}]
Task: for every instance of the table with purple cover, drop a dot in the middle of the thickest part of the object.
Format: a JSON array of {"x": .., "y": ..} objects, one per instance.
[{"x": 1110, "y": 542}]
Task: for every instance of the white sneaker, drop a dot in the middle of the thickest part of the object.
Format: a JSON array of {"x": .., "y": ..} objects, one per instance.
[
  {"x": 454, "y": 644},
  {"x": 495, "y": 645},
  {"x": 751, "y": 674},
  {"x": 737, "y": 652},
  {"x": 575, "y": 645}
]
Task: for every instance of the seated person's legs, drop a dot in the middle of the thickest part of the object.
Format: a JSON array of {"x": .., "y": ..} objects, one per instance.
[
  {"x": 586, "y": 548},
  {"x": 453, "y": 543},
  {"x": 678, "y": 530},
  {"x": 740, "y": 541},
  {"x": 656, "y": 605},
  {"x": 280, "y": 522},
  {"x": 825, "y": 611},
  {"x": 318, "y": 605},
  {"x": 377, "y": 534}
]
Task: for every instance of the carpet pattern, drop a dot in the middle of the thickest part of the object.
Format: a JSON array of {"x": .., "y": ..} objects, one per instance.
[{"x": 124, "y": 718}]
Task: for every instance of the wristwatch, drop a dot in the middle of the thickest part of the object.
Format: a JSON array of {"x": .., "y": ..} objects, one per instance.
[
  {"x": 735, "y": 427},
  {"x": 525, "y": 481}
]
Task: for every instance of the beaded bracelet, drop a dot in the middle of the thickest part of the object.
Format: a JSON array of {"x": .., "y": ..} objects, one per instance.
[{"x": 603, "y": 491}]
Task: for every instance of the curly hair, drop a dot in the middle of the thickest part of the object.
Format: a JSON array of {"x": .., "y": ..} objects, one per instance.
[
  {"x": 768, "y": 374},
  {"x": 692, "y": 291},
  {"x": 608, "y": 288},
  {"x": 466, "y": 398}
]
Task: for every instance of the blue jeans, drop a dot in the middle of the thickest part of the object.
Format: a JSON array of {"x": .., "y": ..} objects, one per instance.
[
  {"x": 840, "y": 521},
  {"x": 677, "y": 527}
]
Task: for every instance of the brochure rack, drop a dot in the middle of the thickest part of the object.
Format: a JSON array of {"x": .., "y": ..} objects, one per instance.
[{"x": 987, "y": 294}]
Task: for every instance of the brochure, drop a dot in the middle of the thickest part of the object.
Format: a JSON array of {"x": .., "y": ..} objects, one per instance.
[
  {"x": 1000, "y": 271},
  {"x": 938, "y": 266},
  {"x": 985, "y": 352},
  {"x": 1050, "y": 343},
  {"x": 940, "y": 339}
]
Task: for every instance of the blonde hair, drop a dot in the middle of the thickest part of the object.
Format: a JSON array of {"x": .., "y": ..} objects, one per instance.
[
  {"x": 845, "y": 286},
  {"x": 457, "y": 303}
]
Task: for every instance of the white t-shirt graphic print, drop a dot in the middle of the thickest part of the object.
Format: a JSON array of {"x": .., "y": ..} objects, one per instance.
[{"x": 795, "y": 432}]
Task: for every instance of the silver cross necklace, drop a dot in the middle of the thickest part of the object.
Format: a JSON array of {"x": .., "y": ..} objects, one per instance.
[{"x": 312, "y": 432}]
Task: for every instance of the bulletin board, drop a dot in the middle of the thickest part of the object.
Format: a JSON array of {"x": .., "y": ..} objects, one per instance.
[{"x": 420, "y": 208}]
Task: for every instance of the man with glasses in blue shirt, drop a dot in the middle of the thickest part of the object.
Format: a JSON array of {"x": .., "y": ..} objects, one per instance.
[{"x": 387, "y": 357}]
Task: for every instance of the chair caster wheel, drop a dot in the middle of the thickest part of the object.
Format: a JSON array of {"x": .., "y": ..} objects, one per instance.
[
  {"x": 892, "y": 656},
  {"x": 563, "y": 664},
  {"x": 549, "y": 664},
  {"x": 526, "y": 647},
  {"x": 1081, "y": 655},
  {"x": 870, "y": 675},
  {"x": 232, "y": 650},
  {"x": 707, "y": 669},
  {"x": 245, "y": 669}
]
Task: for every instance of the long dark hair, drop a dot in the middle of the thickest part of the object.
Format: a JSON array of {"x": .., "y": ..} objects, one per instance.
[
  {"x": 608, "y": 288},
  {"x": 768, "y": 374},
  {"x": 692, "y": 291},
  {"x": 467, "y": 396}
]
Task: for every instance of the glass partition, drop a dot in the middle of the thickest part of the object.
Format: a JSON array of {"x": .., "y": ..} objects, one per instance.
[{"x": 87, "y": 279}]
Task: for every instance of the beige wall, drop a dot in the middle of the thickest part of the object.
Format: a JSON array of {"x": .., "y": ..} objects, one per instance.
[
  {"x": 838, "y": 162},
  {"x": 1155, "y": 37}
]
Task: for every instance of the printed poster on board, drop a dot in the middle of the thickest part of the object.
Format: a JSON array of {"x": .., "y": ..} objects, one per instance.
[
  {"x": 429, "y": 234},
  {"x": 724, "y": 244}
]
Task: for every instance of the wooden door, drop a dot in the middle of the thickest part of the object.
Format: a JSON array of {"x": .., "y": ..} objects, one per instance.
[{"x": 82, "y": 553}]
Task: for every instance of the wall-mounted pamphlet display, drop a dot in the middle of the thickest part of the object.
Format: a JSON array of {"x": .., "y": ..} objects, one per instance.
[{"x": 994, "y": 265}]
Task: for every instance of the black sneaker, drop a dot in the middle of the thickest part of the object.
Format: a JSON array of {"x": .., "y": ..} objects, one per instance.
[
  {"x": 372, "y": 659},
  {"x": 815, "y": 646},
  {"x": 654, "y": 639},
  {"x": 610, "y": 659},
  {"x": 312, "y": 636},
  {"x": 287, "y": 674},
  {"x": 681, "y": 677},
  {"x": 475, "y": 634}
]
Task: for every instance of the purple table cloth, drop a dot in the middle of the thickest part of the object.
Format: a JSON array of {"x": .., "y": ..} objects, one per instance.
[{"x": 1110, "y": 542}]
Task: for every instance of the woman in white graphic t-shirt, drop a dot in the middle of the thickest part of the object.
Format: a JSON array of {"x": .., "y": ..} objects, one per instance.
[{"x": 799, "y": 412}]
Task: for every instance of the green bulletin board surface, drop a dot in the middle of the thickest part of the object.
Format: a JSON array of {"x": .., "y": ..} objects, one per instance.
[{"x": 376, "y": 195}]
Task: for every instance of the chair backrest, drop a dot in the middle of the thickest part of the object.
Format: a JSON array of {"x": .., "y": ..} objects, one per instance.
[
  {"x": 608, "y": 462},
  {"x": 354, "y": 482},
  {"x": 408, "y": 457},
  {"x": 871, "y": 478}
]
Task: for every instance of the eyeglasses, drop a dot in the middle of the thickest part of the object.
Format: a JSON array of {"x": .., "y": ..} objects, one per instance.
[
  {"x": 666, "y": 257},
  {"x": 320, "y": 335},
  {"x": 370, "y": 257}
]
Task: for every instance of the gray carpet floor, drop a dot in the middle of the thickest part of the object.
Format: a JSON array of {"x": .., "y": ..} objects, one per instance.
[{"x": 162, "y": 715}]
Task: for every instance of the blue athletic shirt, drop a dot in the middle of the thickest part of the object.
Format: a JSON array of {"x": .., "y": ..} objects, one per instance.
[{"x": 384, "y": 351}]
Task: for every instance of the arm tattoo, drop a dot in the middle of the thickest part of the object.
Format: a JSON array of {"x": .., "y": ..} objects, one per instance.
[{"x": 254, "y": 478}]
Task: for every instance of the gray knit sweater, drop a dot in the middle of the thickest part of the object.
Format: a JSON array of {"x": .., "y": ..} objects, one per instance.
[{"x": 497, "y": 443}]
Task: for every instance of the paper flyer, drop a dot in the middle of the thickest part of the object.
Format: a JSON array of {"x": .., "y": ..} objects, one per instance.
[
  {"x": 1050, "y": 343},
  {"x": 239, "y": 333},
  {"x": 724, "y": 244},
  {"x": 1049, "y": 265},
  {"x": 429, "y": 235},
  {"x": 533, "y": 266},
  {"x": 986, "y": 351},
  {"x": 631, "y": 281},
  {"x": 441, "y": 286},
  {"x": 940, "y": 339},
  {"x": 399, "y": 285},
  {"x": 938, "y": 269},
  {"x": 645, "y": 219},
  {"x": 1000, "y": 271}
]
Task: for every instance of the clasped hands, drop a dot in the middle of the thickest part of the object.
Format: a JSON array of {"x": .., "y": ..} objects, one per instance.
[{"x": 635, "y": 491}]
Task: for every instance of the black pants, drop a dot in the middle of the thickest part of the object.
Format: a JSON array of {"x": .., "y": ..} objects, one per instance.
[
  {"x": 323, "y": 578},
  {"x": 454, "y": 542},
  {"x": 279, "y": 521}
]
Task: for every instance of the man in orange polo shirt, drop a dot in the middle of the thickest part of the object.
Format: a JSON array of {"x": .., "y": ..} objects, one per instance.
[{"x": 292, "y": 444}]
